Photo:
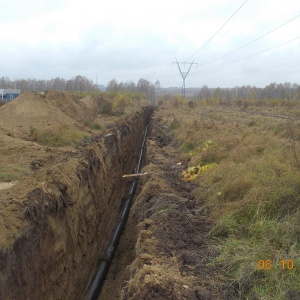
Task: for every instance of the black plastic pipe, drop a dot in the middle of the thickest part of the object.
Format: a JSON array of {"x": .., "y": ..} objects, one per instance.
[{"x": 112, "y": 246}]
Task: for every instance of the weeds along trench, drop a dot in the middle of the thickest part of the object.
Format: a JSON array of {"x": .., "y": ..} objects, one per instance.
[{"x": 251, "y": 194}]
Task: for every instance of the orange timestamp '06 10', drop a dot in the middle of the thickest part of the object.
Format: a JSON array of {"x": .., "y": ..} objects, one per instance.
[{"x": 269, "y": 265}]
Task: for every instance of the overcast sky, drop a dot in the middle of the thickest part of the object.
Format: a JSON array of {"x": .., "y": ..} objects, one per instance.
[{"x": 133, "y": 39}]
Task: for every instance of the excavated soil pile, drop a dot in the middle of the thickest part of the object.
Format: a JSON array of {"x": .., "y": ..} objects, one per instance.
[
  {"x": 32, "y": 113},
  {"x": 33, "y": 110},
  {"x": 56, "y": 220}
]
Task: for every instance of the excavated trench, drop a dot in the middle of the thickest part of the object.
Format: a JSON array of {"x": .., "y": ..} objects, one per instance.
[
  {"x": 65, "y": 215},
  {"x": 164, "y": 252}
]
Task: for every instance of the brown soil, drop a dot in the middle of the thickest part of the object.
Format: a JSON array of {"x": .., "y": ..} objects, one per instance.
[
  {"x": 172, "y": 250},
  {"x": 56, "y": 219},
  {"x": 20, "y": 154},
  {"x": 33, "y": 110}
]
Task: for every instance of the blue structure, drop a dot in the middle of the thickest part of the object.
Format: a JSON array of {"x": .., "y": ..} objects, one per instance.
[
  {"x": 101, "y": 87},
  {"x": 9, "y": 94}
]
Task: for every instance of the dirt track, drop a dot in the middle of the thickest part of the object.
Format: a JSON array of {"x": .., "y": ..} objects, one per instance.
[{"x": 171, "y": 250}]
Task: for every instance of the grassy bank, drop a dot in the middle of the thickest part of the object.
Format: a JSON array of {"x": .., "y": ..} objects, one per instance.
[{"x": 252, "y": 191}]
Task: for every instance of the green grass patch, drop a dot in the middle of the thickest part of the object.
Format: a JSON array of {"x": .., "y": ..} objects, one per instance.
[
  {"x": 162, "y": 211},
  {"x": 12, "y": 172},
  {"x": 187, "y": 146},
  {"x": 244, "y": 259},
  {"x": 60, "y": 136},
  {"x": 93, "y": 125}
]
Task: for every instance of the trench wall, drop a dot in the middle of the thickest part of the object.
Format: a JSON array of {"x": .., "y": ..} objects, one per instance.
[{"x": 69, "y": 215}]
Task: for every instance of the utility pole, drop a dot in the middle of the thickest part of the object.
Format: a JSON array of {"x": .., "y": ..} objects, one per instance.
[{"x": 184, "y": 74}]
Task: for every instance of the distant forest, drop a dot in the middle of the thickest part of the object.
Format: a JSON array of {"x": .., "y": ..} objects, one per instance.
[
  {"x": 289, "y": 92},
  {"x": 80, "y": 84},
  {"x": 276, "y": 91}
]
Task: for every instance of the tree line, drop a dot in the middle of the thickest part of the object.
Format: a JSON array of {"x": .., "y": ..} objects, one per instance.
[
  {"x": 143, "y": 86},
  {"x": 288, "y": 92},
  {"x": 78, "y": 83},
  {"x": 81, "y": 84}
]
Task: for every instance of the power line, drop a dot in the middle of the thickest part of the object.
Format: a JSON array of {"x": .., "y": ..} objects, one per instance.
[
  {"x": 290, "y": 41},
  {"x": 251, "y": 41},
  {"x": 217, "y": 31}
]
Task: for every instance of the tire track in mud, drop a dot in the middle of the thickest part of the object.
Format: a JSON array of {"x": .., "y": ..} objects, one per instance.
[{"x": 164, "y": 251}]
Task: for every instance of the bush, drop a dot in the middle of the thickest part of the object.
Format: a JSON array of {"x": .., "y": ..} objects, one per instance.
[
  {"x": 107, "y": 107},
  {"x": 120, "y": 102}
]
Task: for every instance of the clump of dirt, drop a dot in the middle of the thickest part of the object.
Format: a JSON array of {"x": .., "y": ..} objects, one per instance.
[{"x": 172, "y": 253}]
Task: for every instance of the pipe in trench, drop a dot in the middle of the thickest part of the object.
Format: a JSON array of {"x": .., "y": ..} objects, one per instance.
[{"x": 111, "y": 248}]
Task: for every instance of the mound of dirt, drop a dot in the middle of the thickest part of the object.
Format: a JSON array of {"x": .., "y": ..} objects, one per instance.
[{"x": 33, "y": 110}]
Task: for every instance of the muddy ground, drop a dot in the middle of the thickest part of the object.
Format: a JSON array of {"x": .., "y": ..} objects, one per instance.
[{"x": 164, "y": 252}]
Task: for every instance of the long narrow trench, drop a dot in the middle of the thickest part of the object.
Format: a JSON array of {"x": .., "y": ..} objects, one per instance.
[
  {"x": 104, "y": 265},
  {"x": 174, "y": 267},
  {"x": 118, "y": 273}
]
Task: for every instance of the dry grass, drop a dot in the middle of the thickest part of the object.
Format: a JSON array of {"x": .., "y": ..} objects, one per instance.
[
  {"x": 58, "y": 137},
  {"x": 12, "y": 172},
  {"x": 122, "y": 103},
  {"x": 253, "y": 193}
]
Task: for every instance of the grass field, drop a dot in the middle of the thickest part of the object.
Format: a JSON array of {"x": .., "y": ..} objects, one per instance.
[{"x": 252, "y": 192}]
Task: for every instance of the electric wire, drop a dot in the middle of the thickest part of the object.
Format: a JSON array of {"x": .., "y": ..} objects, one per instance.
[
  {"x": 290, "y": 41},
  {"x": 251, "y": 42},
  {"x": 217, "y": 31}
]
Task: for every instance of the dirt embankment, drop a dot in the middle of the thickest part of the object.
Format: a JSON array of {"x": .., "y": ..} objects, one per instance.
[
  {"x": 33, "y": 121},
  {"x": 55, "y": 223},
  {"x": 33, "y": 110}
]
